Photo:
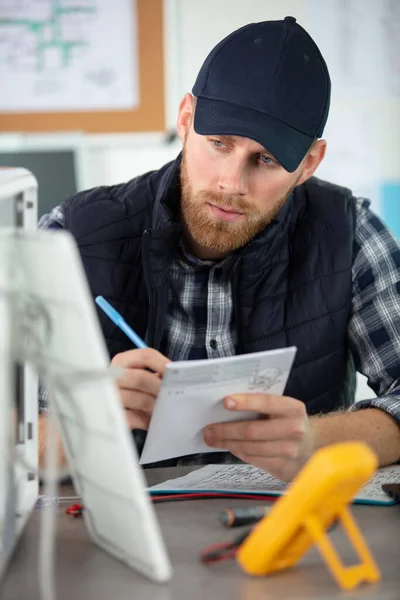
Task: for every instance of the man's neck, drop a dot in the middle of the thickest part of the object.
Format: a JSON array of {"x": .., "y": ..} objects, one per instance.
[{"x": 200, "y": 251}]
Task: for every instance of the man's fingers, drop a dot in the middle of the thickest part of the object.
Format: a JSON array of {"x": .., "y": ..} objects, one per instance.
[
  {"x": 284, "y": 450},
  {"x": 140, "y": 380},
  {"x": 137, "y": 401},
  {"x": 263, "y": 429},
  {"x": 137, "y": 420},
  {"x": 141, "y": 358},
  {"x": 268, "y": 404}
]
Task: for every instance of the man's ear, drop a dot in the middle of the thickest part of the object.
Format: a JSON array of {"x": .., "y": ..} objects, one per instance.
[
  {"x": 185, "y": 114},
  {"x": 314, "y": 157}
]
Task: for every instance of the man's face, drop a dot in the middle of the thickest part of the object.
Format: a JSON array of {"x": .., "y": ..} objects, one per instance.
[{"x": 232, "y": 188}]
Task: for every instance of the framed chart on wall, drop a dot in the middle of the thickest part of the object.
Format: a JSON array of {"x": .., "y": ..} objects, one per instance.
[{"x": 89, "y": 65}]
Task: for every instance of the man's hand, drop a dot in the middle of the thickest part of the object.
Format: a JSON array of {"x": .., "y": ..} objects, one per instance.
[
  {"x": 138, "y": 386},
  {"x": 280, "y": 440}
]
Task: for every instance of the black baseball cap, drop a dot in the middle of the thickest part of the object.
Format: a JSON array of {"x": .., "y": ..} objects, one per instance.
[{"x": 269, "y": 82}]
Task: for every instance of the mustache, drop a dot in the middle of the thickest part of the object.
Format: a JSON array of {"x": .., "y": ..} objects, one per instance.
[{"x": 228, "y": 202}]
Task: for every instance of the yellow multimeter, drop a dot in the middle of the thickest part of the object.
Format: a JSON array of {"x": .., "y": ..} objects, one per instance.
[{"x": 318, "y": 496}]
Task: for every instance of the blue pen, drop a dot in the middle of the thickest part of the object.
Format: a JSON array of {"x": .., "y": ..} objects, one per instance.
[{"x": 120, "y": 322}]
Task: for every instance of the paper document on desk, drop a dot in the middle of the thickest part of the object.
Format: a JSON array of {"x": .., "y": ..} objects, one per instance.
[
  {"x": 191, "y": 397},
  {"x": 244, "y": 478}
]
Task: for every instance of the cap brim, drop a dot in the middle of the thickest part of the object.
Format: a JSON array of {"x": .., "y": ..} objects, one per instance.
[{"x": 287, "y": 145}]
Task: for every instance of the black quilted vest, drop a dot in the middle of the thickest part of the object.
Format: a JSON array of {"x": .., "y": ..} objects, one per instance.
[{"x": 292, "y": 285}]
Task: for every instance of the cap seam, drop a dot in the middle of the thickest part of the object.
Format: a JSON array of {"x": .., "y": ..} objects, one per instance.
[{"x": 287, "y": 36}]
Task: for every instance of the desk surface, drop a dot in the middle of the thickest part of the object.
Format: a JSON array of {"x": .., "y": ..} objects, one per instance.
[{"x": 86, "y": 572}]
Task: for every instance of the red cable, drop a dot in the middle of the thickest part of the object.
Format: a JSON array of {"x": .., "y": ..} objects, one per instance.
[{"x": 76, "y": 509}]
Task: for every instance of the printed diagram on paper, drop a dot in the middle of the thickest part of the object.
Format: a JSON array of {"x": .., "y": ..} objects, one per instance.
[
  {"x": 266, "y": 379},
  {"x": 61, "y": 55}
]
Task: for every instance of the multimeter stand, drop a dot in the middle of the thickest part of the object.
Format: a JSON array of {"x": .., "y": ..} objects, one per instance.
[{"x": 319, "y": 496}]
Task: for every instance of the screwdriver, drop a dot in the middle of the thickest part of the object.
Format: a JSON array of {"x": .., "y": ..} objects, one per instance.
[{"x": 236, "y": 517}]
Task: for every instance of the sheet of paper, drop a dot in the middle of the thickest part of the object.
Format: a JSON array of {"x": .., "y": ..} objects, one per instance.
[
  {"x": 192, "y": 393},
  {"x": 224, "y": 477},
  {"x": 66, "y": 56},
  {"x": 245, "y": 478}
]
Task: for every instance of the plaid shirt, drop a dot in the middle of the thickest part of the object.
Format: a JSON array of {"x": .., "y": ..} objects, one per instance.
[{"x": 200, "y": 320}]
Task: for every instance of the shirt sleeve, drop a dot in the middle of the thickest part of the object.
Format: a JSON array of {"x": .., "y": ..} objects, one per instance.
[
  {"x": 374, "y": 327},
  {"x": 43, "y": 402},
  {"x": 52, "y": 220},
  {"x": 55, "y": 219}
]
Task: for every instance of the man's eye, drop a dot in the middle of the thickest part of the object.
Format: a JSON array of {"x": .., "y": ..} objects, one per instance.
[
  {"x": 265, "y": 159},
  {"x": 217, "y": 143}
]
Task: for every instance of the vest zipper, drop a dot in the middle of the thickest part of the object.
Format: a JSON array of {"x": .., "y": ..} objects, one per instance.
[
  {"x": 149, "y": 287},
  {"x": 235, "y": 281}
]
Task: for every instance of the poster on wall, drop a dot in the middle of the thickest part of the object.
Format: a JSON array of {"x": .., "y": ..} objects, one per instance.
[
  {"x": 360, "y": 40},
  {"x": 68, "y": 55}
]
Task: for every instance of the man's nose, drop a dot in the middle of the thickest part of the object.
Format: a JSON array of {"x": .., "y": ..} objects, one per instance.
[{"x": 232, "y": 177}]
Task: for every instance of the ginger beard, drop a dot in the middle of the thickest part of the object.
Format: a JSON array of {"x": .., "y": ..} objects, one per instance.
[{"x": 217, "y": 234}]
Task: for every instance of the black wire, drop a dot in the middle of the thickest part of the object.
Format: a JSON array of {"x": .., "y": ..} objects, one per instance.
[{"x": 218, "y": 553}]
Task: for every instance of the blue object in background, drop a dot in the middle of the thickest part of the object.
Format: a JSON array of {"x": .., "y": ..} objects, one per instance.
[{"x": 390, "y": 202}]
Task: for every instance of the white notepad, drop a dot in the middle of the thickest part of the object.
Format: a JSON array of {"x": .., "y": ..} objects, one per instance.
[
  {"x": 192, "y": 393},
  {"x": 246, "y": 479}
]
